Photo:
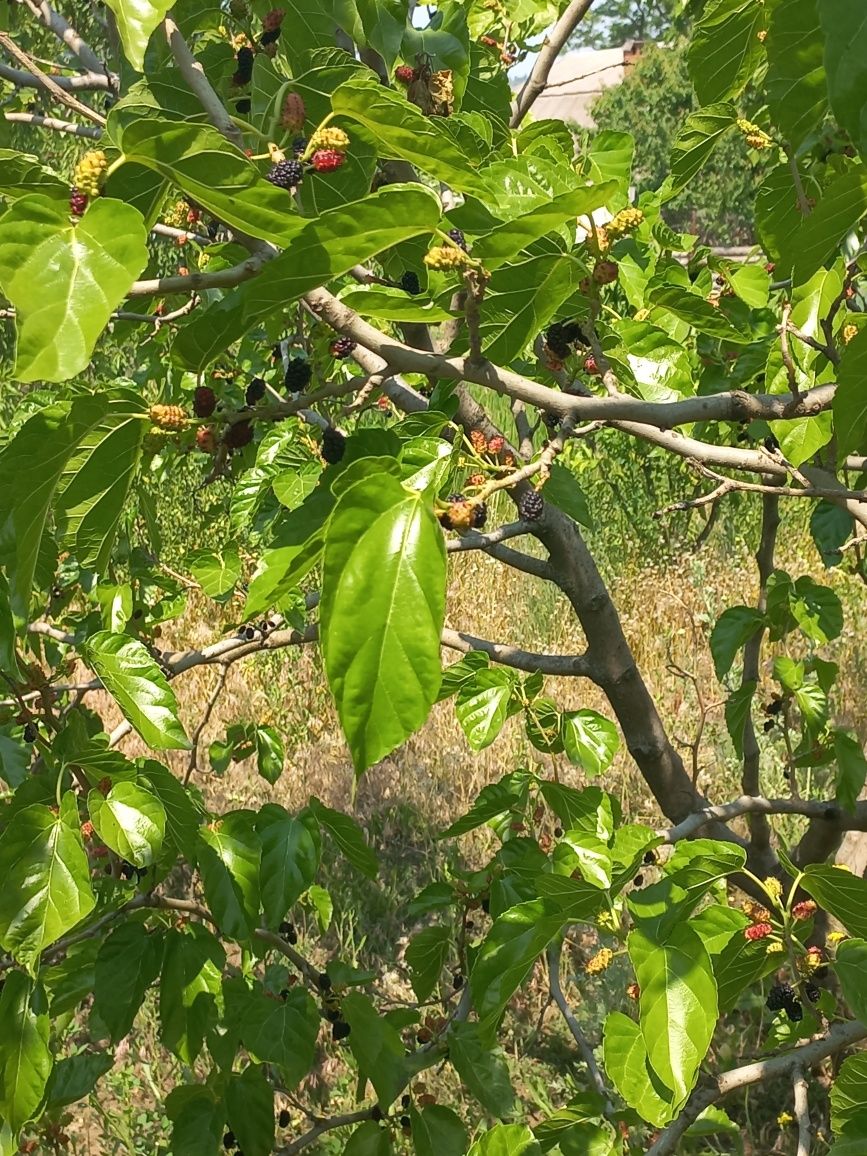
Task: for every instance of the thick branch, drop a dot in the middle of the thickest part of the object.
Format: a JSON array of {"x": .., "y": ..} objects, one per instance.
[
  {"x": 320, "y": 1128},
  {"x": 50, "y": 122},
  {"x": 840, "y": 1036},
  {"x": 562, "y": 664},
  {"x": 194, "y": 76},
  {"x": 757, "y": 805},
  {"x": 64, "y": 32},
  {"x": 85, "y": 82}
]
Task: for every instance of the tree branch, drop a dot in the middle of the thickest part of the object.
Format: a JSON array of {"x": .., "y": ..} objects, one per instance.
[
  {"x": 756, "y": 804},
  {"x": 320, "y": 1128},
  {"x": 805, "y": 1055},
  {"x": 50, "y": 122},
  {"x": 194, "y": 76},
  {"x": 537, "y": 81},
  {"x": 64, "y": 32},
  {"x": 553, "y": 958},
  {"x": 41, "y": 80},
  {"x": 558, "y": 664}
]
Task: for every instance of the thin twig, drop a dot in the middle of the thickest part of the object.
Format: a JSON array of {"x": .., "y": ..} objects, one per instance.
[
  {"x": 802, "y": 1111},
  {"x": 788, "y": 360},
  {"x": 553, "y": 958},
  {"x": 45, "y": 81},
  {"x": 50, "y": 122},
  {"x": 219, "y": 686}
]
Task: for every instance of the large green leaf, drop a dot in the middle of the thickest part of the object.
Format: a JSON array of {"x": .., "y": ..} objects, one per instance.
[
  {"x": 694, "y": 310},
  {"x": 850, "y": 398},
  {"x": 93, "y": 262},
  {"x": 282, "y": 1031},
  {"x": 437, "y": 1131},
  {"x": 848, "y": 1098},
  {"x": 189, "y": 989},
  {"x": 508, "y": 952},
  {"x": 383, "y": 551},
  {"x": 482, "y": 705},
  {"x": 625, "y": 1055},
  {"x": 139, "y": 688},
  {"x": 426, "y": 954},
  {"x": 250, "y": 1110},
  {"x": 850, "y": 967},
  {"x": 316, "y": 252},
  {"x": 481, "y": 1068},
  {"x": 845, "y": 32},
  {"x": 404, "y": 132},
  {"x": 841, "y": 893},
  {"x": 290, "y": 859},
  {"x": 76, "y": 1076},
  {"x": 228, "y": 858},
  {"x": 377, "y": 24},
  {"x": 795, "y": 80},
  {"x": 377, "y": 1048},
  {"x": 25, "y": 1057},
  {"x": 31, "y": 466},
  {"x": 678, "y": 1004},
  {"x": 732, "y": 630},
  {"x": 740, "y": 964},
  {"x": 136, "y": 20},
  {"x": 589, "y": 740},
  {"x": 696, "y": 141},
  {"x": 725, "y": 49},
  {"x": 46, "y": 878},
  {"x": 816, "y": 240},
  {"x": 129, "y": 820},
  {"x": 211, "y": 171},
  {"x": 506, "y": 1140},
  {"x": 216, "y": 571},
  {"x": 127, "y": 964}
]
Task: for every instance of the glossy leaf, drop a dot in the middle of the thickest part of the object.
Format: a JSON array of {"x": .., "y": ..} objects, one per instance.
[
  {"x": 851, "y": 770},
  {"x": 563, "y": 490},
  {"x": 625, "y": 1055},
  {"x": 795, "y": 81},
  {"x": 290, "y": 859},
  {"x": 506, "y": 1140},
  {"x": 482, "y": 706},
  {"x": 848, "y": 1097},
  {"x": 510, "y": 793},
  {"x": 725, "y": 49},
  {"x": 139, "y": 688},
  {"x": 228, "y": 858},
  {"x": 197, "y": 1119},
  {"x": 841, "y": 893},
  {"x": 217, "y": 572},
  {"x": 47, "y": 887},
  {"x": 25, "y": 1056},
  {"x": 849, "y": 966},
  {"x": 819, "y": 235},
  {"x": 136, "y": 20},
  {"x": 93, "y": 263},
  {"x": 437, "y": 1131},
  {"x": 845, "y": 34},
  {"x": 76, "y": 1076},
  {"x": 250, "y": 1111},
  {"x": 589, "y": 740},
  {"x": 732, "y": 630},
  {"x": 508, "y": 952},
  {"x": 384, "y": 551},
  {"x": 523, "y": 297},
  {"x": 129, "y": 820},
  {"x": 696, "y": 141},
  {"x": 128, "y": 962}
]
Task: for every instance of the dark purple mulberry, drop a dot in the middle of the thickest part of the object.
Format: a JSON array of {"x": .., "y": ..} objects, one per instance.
[
  {"x": 244, "y": 66},
  {"x": 333, "y": 445},
  {"x": 459, "y": 239},
  {"x": 255, "y": 391},
  {"x": 299, "y": 146},
  {"x": 342, "y": 347},
  {"x": 779, "y": 995},
  {"x": 480, "y": 515},
  {"x": 531, "y": 505},
  {"x": 238, "y": 435},
  {"x": 410, "y": 283},
  {"x": 286, "y": 174},
  {"x": 204, "y": 401},
  {"x": 298, "y": 374}
]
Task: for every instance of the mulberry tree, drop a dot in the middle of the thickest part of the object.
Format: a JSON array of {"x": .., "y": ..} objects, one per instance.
[{"x": 325, "y": 254}]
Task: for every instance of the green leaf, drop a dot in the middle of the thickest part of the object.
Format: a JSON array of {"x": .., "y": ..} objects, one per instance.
[
  {"x": 819, "y": 236},
  {"x": 694, "y": 310},
  {"x": 816, "y": 609},
  {"x": 851, "y": 770},
  {"x": 212, "y": 172},
  {"x": 139, "y": 688},
  {"x": 732, "y": 630},
  {"x": 25, "y": 1057},
  {"x": 715, "y": 925},
  {"x": 129, "y": 820},
  {"x": 482, "y": 705},
  {"x": 845, "y": 34},
  {"x": 250, "y": 1111},
  {"x": 509, "y": 794},
  {"x": 93, "y": 263},
  {"x": 795, "y": 80},
  {"x": 610, "y": 154},
  {"x": 378, "y": 24},
  {"x": 197, "y": 1119},
  {"x": 282, "y": 1032},
  {"x": 563, "y": 490},
  {"x": 46, "y": 877},
  {"x": 437, "y": 1131},
  {"x": 97, "y": 481},
  {"x": 830, "y": 527},
  {"x": 403, "y": 131},
  {"x": 678, "y": 1004},
  {"x": 348, "y": 836},
  {"x": 136, "y": 20},
  {"x": 384, "y": 551},
  {"x": 290, "y": 859},
  {"x": 377, "y": 1048},
  {"x": 217, "y": 572},
  {"x": 228, "y": 860},
  {"x": 393, "y": 305},
  {"x": 696, "y": 141},
  {"x": 522, "y": 298},
  {"x": 841, "y": 893},
  {"x": 508, "y": 952},
  {"x": 182, "y": 815},
  {"x": 738, "y": 710},
  {"x": 725, "y": 49},
  {"x": 511, "y": 238},
  {"x": 128, "y": 962},
  {"x": 270, "y": 755},
  {"x": 75, "y": 1077},
  {"x": 659, "y": 365},
  {"x": 189, "y": 989},
  {"x": 850, "y": 398},
  {"x": 625, "y": 1056},
  {"x": 589, "y": 740},
  {"x": 543, "y": 723},
  {"x": 848, "y": 1096},
  {"x": 369, "y": 1139},
  {"x": 590, "y": 810},
  {"x": 426, "y": 955},
  {"x": 31, "y": 466},
  {"x": 483, "y": 1069},
  {"x": 850, "y": 967},
  {"x": 506, "y": 1140}
]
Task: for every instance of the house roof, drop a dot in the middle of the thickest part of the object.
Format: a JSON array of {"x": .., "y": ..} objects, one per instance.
[{"x": 575, "y": 81}]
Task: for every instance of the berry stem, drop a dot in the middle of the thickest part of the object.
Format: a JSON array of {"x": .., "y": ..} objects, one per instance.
[
  {"x": 245, "y": 126},
  {"x": 308, "y": 152}
]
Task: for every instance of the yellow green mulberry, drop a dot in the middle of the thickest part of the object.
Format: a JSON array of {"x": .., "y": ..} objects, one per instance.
[
  {"x": 849, "y": 333},
  {"x": 774, "y": 888},
  {"x": 446, "y": 258},
  {"x": 329, "y": 138},
  {"x": 626, "y": 221},
  {"x": 89, "y": 174},
  {"x": 600, "y": 962},
  {"x": 167, "y": 417},
  {"x": 754, "y": 135}
]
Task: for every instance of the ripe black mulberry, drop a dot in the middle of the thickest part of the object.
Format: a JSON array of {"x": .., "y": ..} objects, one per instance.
[
  {"x": 531, "y": 505},
  {"x": 333, "y": 448},
  {"x": 255, "y": 391},
  {"x": 410, "y": 283},
  {"x": 286, "y": 174},
  {"x": 298, "y": 374}
]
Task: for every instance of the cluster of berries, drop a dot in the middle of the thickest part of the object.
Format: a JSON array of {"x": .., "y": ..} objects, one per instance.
[
  {"x": 323, "y": 153},
  {"x": 562, "y": 336},
  {"x": 447, "y": 258},
  {"x": 624, "y": 222},
  {"x": 783, "y": 997},
  {"x": 484, "y": 445},
  {"x": 88, "y": 178},
  {"x": 463, "y": 513}
]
